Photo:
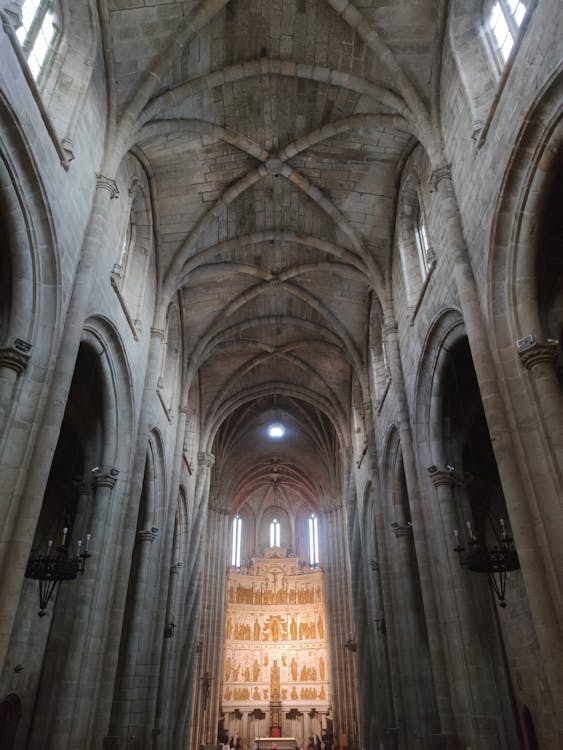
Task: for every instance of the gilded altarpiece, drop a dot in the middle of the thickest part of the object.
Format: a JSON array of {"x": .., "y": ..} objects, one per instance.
[{"x": 275, "y": 652}]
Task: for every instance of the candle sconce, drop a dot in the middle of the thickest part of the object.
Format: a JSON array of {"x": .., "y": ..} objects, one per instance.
[{"x": 56, "y": 566}]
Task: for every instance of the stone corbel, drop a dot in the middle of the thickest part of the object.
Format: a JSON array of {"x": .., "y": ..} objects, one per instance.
[
  {"x": 401, "y": 529},
  {"x": 68, "y": 148},
  {"x": 205, "y": 458},
  {"x": 15, "y": 357},
  {"x": 106, "y": 480},
  {"x": 106, "y": 183},
  {"x": 441, "y": 173},
  {"x": 11, "y": 13},
  {"x": 533, "y": 353},
  {"x": 148, "y": 535},
  {"x": 441, "y": 477}
]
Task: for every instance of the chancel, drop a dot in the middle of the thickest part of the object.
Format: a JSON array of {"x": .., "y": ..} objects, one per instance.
[{"x": 281, "y": 381}]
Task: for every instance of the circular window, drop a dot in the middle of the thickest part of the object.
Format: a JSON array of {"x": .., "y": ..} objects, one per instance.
[{"x": 276, "y": 430}]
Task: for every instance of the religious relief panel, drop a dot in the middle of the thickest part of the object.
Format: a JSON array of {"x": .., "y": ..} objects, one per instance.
[{"x": 275, "y": 647}]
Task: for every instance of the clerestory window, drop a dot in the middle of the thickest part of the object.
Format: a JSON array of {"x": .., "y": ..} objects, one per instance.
[
  {"x": 237, "y": 536},
  {"x": 425, "y": 254},
  {"x": 39, "y": 34},
  {"x": 275, "y": 533},
  {"x": 313, "y": 540},
  {"x": 503, "y": 19}
]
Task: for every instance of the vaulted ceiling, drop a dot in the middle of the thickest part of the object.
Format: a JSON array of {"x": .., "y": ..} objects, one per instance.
[{"x": 275, "y": 139}]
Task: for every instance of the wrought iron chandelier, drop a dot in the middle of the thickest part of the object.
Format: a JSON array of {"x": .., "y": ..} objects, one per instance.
[
  {"x": 57, "y": 565},
  {"x": 495, "y": 559}
]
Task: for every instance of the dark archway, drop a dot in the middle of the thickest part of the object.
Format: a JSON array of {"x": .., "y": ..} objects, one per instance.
[
  {"x": 10, "y": 715},
  {"x": 41, "y": 643}
]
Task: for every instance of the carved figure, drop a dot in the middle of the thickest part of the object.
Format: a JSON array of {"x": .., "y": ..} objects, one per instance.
[{"x": 293, "y": 668}]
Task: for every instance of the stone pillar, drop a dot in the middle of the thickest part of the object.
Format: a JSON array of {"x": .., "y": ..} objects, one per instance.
[
  {"x": 214, "y": 605},
  {"x": 25, "y": 503},
  {"x": 192, "y": 598},
  {"x": 165, "y": 701},
  {"x": 344, "y": 679},
  {"x": 420, "y": 533},
  {"x": 129, "y": 721},
  {"x": 465, "y": 608},
  {"x": 541, "y": 578},
  {"x": 85, "y": 645}
]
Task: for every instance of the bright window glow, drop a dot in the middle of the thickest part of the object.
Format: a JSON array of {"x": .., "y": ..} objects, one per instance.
[
  {"x": 38, "y": 32},
  {"x": 275, "y": 533},
  {"x": 505, "y": 19},
  {"x": 276, "y": 430},
  {"x": 237, "y": 529},
  {"x": 313, "y": 540},
  {"x": 422, "y": 244}
]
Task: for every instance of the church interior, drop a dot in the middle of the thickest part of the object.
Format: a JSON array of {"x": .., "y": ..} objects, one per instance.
[{"x": 281, "y": 380}]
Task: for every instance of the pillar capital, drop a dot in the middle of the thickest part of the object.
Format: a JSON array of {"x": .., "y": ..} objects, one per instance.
[
  {"x": 390, "y": 328},
  {"x": 441, "y": 477},
  {"x": 401, "y": 530},
  {"x": 366, "y": 408},
  {"x": 158, "y": 333},
  {"x": 148, "y": 535},
  {"x": 443, "y": 172},
  {"x": 106, "y": 183},
  {"x": 216, "y": 507},
  {"x": 14, "y": 358},
  {"x": 106, "y": 480},
  {"x": 11, "y": 11},
  {"x": 205, "y": 458},
  {"x": 533, "y": 353}
]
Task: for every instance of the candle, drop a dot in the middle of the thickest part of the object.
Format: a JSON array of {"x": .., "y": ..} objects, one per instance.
[
  {"x": 65, "y": 532},
  {"x": 49, "y": 546},
  {"x": 79, "y": 545},
  {"x": 469, "y": 529},
  {"x": 88, "y": 537},
  {"x": 503, "y": 528}
]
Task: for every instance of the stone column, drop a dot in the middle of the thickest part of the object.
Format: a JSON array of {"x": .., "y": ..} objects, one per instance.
[
  {"x": 192, "y": 598},
  {"x": 129, "y": 720},
  {"x": 126, "y": 534},
  {"x": 214, "y": 607},
  {"x": 165, "y": 701},
  {"x": 25, "y": 503},
  {"x": 85, "y": 645},
  {"x": 420, "y": 533},
  {"x": 541, "y": 577},
  {"x": 466, "y": 614},
  {"x": 344, "y": 679}
]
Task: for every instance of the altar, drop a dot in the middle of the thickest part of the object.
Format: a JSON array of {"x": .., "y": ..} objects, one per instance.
[{"x": 275, "y": 743}]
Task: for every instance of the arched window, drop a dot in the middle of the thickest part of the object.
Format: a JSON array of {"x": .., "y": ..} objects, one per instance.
[
  {"x": 39, "y": 34},
  {"x": 425, "y": 253},
  {"x": 170, "y": 369},
  {"x": 237, "y": 537},
  {"x": 275, "y": 533},
  {"x": 417, "y": 257},
  {"x": 502, "y": 20},
  {"x": 313, "y": 540}
]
